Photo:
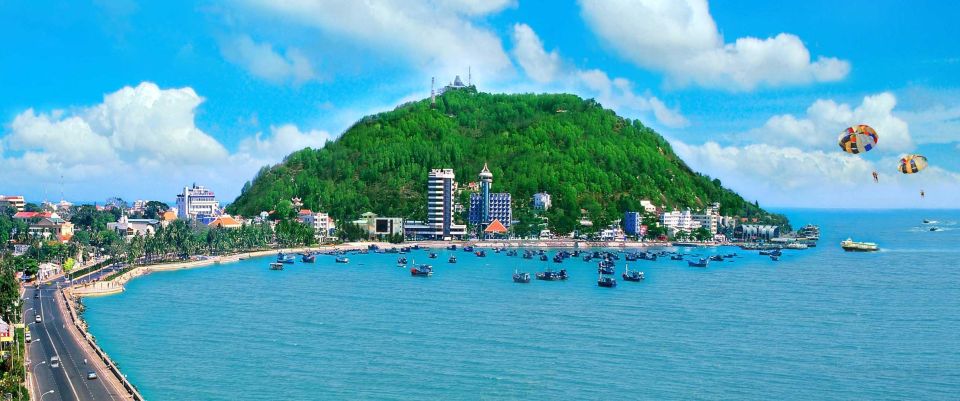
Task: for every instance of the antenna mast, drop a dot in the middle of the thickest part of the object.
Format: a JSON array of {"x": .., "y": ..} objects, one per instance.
[
  {"x": 433, "y": 93},
  {"x": 469, "y": 77}
]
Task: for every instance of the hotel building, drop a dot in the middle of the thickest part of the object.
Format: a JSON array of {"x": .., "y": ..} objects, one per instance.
[
  {"x": 485, "y": 207},
  {"x": 197, "y": 201}
]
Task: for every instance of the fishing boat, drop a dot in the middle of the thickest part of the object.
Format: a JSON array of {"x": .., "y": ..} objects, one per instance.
[
  {"x": 587, "y": 258},
  {"x": 631, "y": 257},
  {"x": 468, "y": 248},
  {"x": 421, "y": 271},
  {"x": 772, "y": 252},
  {"x": 607, "y": 282},
  {"x": 452, "y": 247},
  {"x": 796, "y": 245},
  {"x": 433, "y": 255},
  {"x": 550, "y": 275},
  {"x": 521, "y": 277},
  {"x": 716, "y": 258},
  {"x": 343, "y": 259},
  {"x": 850, "y": 245},
  {"x": 481, "y": 253},
  {"x": 372, "y": 247},
  {"x": 678, "y": 256},
  {"x": 543, "y": 258},
  {"x": 934, "y": 228},
  {"x": 605, "y": 269},
  {"x": 308, "y": 257},
  {"x": 527, "y": 255},
  {"x": 452, "y": 259},
  {"x": 928, "y": 221},
  {"x": 401, "y": 260},
  {"x": 511, "y": 253},
  {"x": 632, "y": 275},
  {"x": 288, "y": 259},
  {"x": 558, "y": 258},
  {"x": 276, "y": 266},
  {"x": 700, "y": 263}
]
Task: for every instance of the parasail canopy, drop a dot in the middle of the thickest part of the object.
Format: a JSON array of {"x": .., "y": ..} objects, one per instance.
[
  {"x": 858, "y": 139},
  {"x": 911, "y": 164}
]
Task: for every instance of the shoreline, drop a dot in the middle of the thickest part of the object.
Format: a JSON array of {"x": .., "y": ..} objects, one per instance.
[{"x": 117, "y": 285}]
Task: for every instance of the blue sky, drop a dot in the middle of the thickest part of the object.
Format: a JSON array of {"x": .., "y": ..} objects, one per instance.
[{"x": 139, "y": 98}]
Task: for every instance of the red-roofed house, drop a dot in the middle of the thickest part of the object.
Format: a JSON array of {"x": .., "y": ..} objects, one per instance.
[
  {"x": 50, "y": 224},
  {"x": 224, "y": 221},
  {"x": 26, "y": 215}
]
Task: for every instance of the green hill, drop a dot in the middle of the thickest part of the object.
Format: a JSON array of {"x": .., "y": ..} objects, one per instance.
[{"x": 584, "y": 155}]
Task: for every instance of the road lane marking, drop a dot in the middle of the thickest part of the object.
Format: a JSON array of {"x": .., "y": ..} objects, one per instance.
[
  {"x": 57, "y": 353},
  {"x": 83, "y": 352}
]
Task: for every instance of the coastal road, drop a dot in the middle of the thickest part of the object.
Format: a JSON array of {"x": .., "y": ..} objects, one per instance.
[{"x": 55, "y": 336}]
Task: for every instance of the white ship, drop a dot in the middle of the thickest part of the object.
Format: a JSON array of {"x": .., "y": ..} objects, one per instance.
[{"x": 853, "y": 246}]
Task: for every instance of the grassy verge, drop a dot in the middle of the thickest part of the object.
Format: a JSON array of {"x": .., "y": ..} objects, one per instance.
[
  {"x": 119, "y": 273},
  {"x": 84, "y": 271}
]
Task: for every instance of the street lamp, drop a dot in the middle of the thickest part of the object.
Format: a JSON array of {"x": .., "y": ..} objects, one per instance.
[{"x": 48, "y": 392}]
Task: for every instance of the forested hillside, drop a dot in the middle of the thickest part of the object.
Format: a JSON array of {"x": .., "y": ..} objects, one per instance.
[{"x": 584, "y": 155}]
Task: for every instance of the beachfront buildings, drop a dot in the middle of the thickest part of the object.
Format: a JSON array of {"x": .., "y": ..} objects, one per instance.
[
  {"x": 633, "y": 224},
  {"x": 224, "y": 221},
  {"x": 48, "y": 225},
  {"x": 197, "y": 201},
  {"x": 756, "y": 232},
  {"x": 542, "y": 201},
  {"x": 15, "y": 202},
  {"x": 688, "y": 221},
  {"x": 378, "y": 227},
  {"x": 486, "y": 207},
  {"x": 677, "y": 221},
  {"x": 441, "y": 186},
  {"x": 323, "y": 225},
  {"x": 127, "y": 228}
]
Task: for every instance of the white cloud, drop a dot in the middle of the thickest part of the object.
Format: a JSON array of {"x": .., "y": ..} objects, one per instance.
[
  {"x": 536, "y": 62},
  {"x": 617, "y": 93},
  {"x": 263, "y": 61},
  {"x": 282, "y": 141},
  {"x": 795, "y": 161},
  {"x": 938, "y": 123},
  {"x": 825, "y": 119},
  {"x": 681, "y": 39},
  {"x": 439, "y": 35},
  {"x": 140, "y": 142},
  {"x": 787, "y": 176}
]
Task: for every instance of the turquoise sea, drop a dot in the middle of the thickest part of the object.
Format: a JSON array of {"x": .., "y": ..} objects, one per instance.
[{"x": 819, "y": 324}]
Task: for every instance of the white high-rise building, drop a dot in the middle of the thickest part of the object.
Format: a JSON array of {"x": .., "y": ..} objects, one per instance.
[
  {"x": 679, "y": 221},
  {"x": 441, "y": 184},
  {"x": 323, "y": 226},
  {"x": 197, "y": 200}
]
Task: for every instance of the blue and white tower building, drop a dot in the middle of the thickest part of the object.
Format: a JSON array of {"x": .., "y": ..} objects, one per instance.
[{"x": 485, "y": 206}]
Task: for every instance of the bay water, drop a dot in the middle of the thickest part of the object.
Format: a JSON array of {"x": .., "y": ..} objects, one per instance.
[{"x": 818, "y": 324}]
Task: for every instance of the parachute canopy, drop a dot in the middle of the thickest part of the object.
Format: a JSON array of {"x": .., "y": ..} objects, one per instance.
[
  {"x": 911, "y": 164},
  {"x": 858, "y": 139}
]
